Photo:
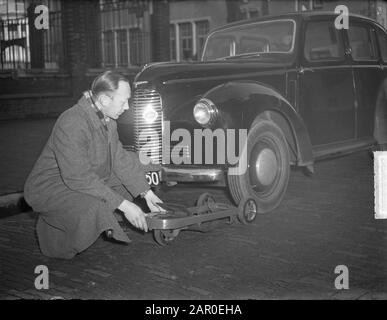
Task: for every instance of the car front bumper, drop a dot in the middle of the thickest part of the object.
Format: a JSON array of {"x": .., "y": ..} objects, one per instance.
[{"x": 188, "y": 173}]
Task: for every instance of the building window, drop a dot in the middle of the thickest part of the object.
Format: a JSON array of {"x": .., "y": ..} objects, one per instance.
[
  {"x": 122, "y": 47},
  {"x": 108, "y": 40},
  {"x": 254, "y": 13},
  {"x": 249, "y": 13},
  {"x": 139, "y": 52},
  {"x": 304, "y": 5},
  {"x": 125, "y": 36},
  {"x": 23, "y": 47},
  {"x": 187, "y": 39},
  {"x": 172, "y": 42},
  {"x": 318, "y": 4},
  {"x": 202, "y": 29}
]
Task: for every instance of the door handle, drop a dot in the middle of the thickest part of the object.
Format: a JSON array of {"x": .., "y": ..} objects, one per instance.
[{"x": 303, "y": 70}]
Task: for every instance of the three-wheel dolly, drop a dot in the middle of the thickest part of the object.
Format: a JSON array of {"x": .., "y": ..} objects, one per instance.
[{"x": 167, "y": 226}]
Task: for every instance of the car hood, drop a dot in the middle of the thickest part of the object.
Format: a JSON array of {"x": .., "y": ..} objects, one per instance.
[{"x": 161, "y": 73}]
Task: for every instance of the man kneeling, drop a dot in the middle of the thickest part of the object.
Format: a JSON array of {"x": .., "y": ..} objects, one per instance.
[{"x": 83, "y": 174}]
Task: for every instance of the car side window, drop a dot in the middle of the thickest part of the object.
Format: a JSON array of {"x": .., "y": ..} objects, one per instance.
[
  {"x": 382, "y": 39},
  {"x": 362, "y": 43},
  {"x": 323, "y": 42}
]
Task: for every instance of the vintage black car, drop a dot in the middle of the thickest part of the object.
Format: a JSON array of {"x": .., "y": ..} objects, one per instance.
[{"x": 303, "y": 88}]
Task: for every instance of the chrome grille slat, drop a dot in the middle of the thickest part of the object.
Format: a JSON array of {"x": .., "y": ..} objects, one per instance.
[
  {"x": 144, "y": 100},
  {"x": 149, "y": 136}
]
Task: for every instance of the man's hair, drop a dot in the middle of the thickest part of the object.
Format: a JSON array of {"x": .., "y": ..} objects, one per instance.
[{"x": 107, "y": 82}]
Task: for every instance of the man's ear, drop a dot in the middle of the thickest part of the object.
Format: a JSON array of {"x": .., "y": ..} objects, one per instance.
[{"x": 104, "y": 100}]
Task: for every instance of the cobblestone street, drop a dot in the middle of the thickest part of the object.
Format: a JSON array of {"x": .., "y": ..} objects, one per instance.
[{"x": 324, "y": 221}]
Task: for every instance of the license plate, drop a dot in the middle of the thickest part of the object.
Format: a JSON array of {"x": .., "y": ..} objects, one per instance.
[{"x": 153, "y": 178}]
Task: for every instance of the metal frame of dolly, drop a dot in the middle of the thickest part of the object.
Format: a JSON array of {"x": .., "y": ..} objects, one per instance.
[{"x": 166, "y": 227}]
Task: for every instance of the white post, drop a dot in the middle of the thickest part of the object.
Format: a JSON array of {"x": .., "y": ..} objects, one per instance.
[{"x": 380, "y": 184}]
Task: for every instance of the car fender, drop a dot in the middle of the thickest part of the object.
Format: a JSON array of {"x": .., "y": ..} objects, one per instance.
[{"x": 249, "y": 101}]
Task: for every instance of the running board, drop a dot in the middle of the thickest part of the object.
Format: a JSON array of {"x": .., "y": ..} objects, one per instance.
[{"x": 338, "y": 149}]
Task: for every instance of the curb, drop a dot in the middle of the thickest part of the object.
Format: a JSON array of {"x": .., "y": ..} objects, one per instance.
[{"x": 12, "y": 203}]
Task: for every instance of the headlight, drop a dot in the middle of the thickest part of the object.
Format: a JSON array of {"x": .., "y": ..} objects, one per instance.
[
  {"x": 149, "y": 115},
  {"x": 205, "y": 112}
]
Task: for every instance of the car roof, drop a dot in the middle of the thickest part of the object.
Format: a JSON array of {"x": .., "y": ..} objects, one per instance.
[{"x": 295, "y": 16}]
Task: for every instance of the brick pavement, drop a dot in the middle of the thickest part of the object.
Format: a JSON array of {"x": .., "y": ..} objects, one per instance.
[{"x": 324, "y": 221}]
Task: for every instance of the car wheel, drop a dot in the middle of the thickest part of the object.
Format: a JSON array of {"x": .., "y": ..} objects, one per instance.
[
  {"x": 163, "y": 237},
  {"x": 268, "y": 165},
  {"x": 206, "y": 199},
  {"x": 247, "y": 210}
]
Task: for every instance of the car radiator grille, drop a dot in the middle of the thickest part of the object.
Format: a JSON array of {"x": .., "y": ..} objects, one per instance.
[{"x": 143, "y": 99}]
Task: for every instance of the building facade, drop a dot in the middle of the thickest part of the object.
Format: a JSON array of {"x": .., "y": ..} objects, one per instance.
[{"x": 44, "y": 70}]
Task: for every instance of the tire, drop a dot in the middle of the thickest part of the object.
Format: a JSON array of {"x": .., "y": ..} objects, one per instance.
[{"x": 268, "y": 165}]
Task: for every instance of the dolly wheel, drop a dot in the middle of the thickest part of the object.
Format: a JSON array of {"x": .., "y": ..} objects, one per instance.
[
  {"x": 163, "y": 237},
  {"x": 206, "y": 199},
  {"x": 247, "y": 210}
]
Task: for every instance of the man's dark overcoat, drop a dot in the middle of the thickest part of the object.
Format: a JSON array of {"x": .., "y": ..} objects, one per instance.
[{"x": 73, "y": 185}]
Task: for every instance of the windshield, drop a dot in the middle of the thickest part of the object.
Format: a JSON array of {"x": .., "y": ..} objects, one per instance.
[{"x": 256, "y": 38}]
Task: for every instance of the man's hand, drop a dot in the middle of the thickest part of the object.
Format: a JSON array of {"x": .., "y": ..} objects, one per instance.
[
  {"x": 152, "y": 200},
  {"x": 134, "y": 215}
]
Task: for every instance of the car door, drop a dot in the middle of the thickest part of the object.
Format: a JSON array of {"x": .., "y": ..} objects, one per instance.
[
  {"x": 382, "y": 43},
  {"x": 368, "y": 75},
  {"x": 380, "y": 127},
  {"x": 326, "y": 90}
]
